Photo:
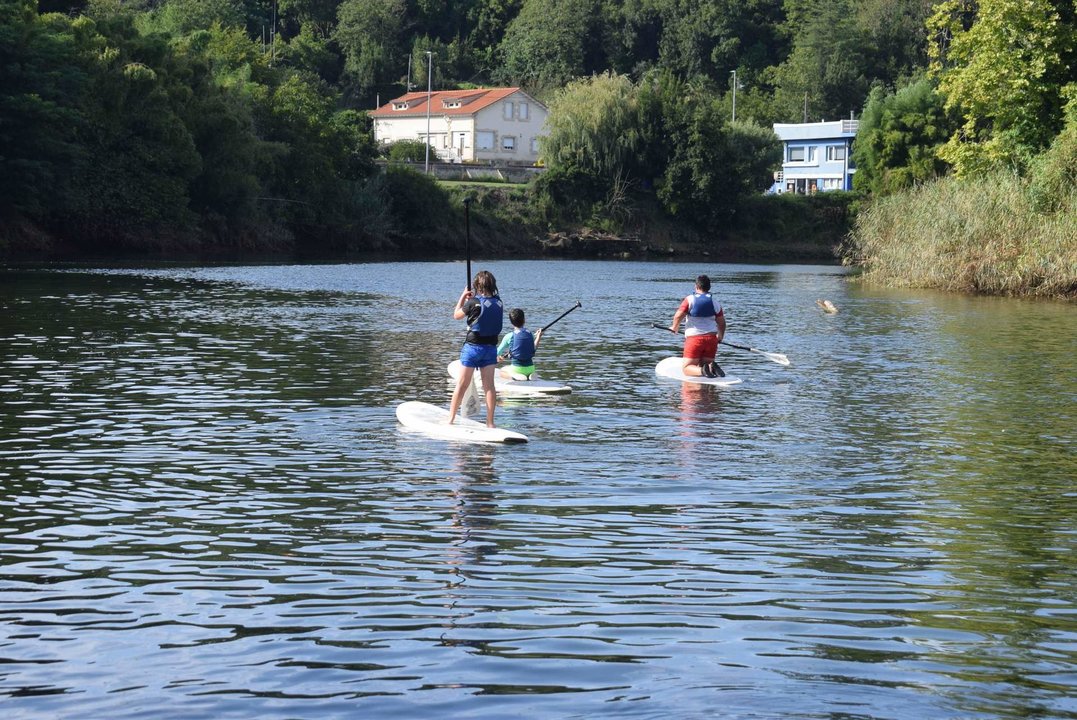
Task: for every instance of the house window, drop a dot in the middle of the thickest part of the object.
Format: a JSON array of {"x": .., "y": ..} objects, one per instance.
[
  {"x": 534, "y": 146},
  {"x": 400, "y": 106},
  {"x": 523, "y": 111},
  {"x": 484, "y": 140},
  {"x": 508, "y": 111},
  {"x": 508, "y": 143},
  {"x": 811, "y": 153},
  {"x": 796, "y": 154},
  {"x": 835, "y": 152}
]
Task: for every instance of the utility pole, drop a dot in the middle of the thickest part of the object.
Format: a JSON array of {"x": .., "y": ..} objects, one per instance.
[
  {"x": 734, "y": 74},
  {"x": 273, "y": 36},
  {"x": 429, "y": 78}
]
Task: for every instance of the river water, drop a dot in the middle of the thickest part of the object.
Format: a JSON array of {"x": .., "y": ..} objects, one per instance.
[{"x": 207, "y": 508}]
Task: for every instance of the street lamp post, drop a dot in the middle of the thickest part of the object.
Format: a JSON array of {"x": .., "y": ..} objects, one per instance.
[
  {"x": 734, "y": 74},
  {"x": 429, "y": 66}
]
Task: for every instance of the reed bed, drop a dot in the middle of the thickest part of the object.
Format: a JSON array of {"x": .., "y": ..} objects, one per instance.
[{"x": 978, "y": 235}]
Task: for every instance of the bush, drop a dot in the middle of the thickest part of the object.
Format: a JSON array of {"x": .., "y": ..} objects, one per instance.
[
  {"x": 408, "y": 151},
  {"x": 418, "y": 204},
  {"x": 819, "y": 221},
  {"x": 1054, "y": 173},
  {"x": 569, "y": 193}
]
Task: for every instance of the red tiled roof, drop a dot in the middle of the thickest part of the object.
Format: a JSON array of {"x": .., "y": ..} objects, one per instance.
[{"x": 472, "y": 102}]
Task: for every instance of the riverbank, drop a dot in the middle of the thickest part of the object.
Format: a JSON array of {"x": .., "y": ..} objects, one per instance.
[
  {"x": 503, "y": 222},
  {"x": 981, "y": 235}
]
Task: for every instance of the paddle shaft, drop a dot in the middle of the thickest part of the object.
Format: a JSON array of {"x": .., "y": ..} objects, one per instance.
[
  {"x": 467, "y": 238},
  {"x": 566, "y": 312},
  {"x": 773, "y": 357}
]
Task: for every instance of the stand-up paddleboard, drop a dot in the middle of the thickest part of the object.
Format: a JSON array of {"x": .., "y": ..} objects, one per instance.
[
  {"x": 672, "y": 367},
  {"x": 433, "y": 421},
  {"x": 534, "y": 386}
]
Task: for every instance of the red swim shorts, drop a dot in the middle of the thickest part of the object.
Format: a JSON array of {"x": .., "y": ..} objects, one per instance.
[{"x": 697, "y": 347}]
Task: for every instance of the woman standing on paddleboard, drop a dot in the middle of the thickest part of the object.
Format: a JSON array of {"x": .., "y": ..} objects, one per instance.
[
  {"x": 485, "y": 315},
  {"x": 704, "y": 328}
]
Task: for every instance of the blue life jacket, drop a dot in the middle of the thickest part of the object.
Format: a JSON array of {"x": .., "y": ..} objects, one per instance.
[
  {"x": 488, "y": 323},
  {"x": 522, "y": 349},
  {"x": 702, "y": 305}
]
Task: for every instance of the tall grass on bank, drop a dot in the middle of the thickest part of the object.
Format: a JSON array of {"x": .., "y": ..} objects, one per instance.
[{"x": 979, "y": 235}]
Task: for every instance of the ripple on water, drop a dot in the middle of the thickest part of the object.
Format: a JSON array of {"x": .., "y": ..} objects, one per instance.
[{"x": 207, "y": 509}]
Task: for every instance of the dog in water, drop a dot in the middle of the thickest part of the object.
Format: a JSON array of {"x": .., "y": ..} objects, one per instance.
[{"x": 827, "y": 306}]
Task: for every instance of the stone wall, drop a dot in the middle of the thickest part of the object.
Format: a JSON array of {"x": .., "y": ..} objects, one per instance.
[{"x": 478, "y": 172}]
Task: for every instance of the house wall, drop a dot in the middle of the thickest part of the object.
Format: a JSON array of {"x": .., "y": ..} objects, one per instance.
[
  {"x": 524, "y": 132},
  {"x": 443, "y": 128},
  {"x": 817, "y": 156},
  {"x": 817, "y": 165},
  {"x": 456, "y": 138}
]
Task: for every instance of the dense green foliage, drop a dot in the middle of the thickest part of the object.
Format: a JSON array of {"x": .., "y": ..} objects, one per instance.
[
  {"x": 608, "y": 136},
  {"x": 1003, "y": 221},
  {"x": 121, "y": 126},
  {"x": 1007, "y": 69},
  {"x": 899, "y": 138},
  {"x": 240, "y": 123},
  {"x": 408, "y": 151}
]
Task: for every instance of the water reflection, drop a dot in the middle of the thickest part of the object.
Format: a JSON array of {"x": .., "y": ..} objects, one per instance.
[
  {"x": 474, "y": 509},
  {"x": 474, "y": 504}
]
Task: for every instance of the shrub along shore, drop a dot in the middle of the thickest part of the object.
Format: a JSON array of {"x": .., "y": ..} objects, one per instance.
[
  {"x": 980, "y": 235},
  {"x": 423, "y": 219}
]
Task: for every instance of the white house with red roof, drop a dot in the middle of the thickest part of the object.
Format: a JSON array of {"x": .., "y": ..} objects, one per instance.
[{"x": 502, "y": 125}]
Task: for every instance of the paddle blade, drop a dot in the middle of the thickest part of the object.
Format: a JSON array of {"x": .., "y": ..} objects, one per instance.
[{"x": 774, "y": 357}]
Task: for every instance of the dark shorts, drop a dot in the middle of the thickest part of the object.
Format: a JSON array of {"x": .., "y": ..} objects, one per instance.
[
  {"x": 697, "y": 347},
  {"x": 477, "y": 356}
]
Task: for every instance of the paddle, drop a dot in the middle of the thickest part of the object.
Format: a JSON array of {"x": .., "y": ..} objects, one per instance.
[
  {"x": 467, "y": 237},
  {"x": 773, "y": 357},
  {"x": 547, "y": 327},
  {"x": 566, "y": 312}
]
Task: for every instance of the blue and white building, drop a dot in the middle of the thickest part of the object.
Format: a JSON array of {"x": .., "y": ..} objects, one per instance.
[{"x": 817, "y": 157}]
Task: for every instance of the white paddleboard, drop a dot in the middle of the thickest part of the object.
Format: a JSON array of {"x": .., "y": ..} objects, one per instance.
[
  {"x": 534, "y": 386},
  {"x": 433, "y": 421},
  {"x": 672, "y": 367}
]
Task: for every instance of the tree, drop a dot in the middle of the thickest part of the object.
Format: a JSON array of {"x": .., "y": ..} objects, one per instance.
[
  {"x": 595, "y": 145},
  {"x": 899, "y": 137},
  {"x": 488, "y": 20},
  {"x": 1001, "y": 65},
  {"x": 594, "y": 126},
  {"x": 546, "y": 45},
  {"x": 710, "y": 38},
  {"x": 711, "y": 163},
  {"x": 44, "y": 78},
  {"x": 840, "y": 48},
  {"x": 369, "y": 33},
  {"x": 1053, "y": 177},
  {"x": 180, "y": 17},
  {"x": 607, "y": 133},
  {"x": 825, "y": 76}
]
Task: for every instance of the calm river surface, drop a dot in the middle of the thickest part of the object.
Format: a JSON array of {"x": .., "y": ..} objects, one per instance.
[{"x": 207, "y": 508}]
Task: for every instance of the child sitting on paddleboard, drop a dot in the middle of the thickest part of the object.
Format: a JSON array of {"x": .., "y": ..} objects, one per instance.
[
  {"x": 519, "y": 347},
  {"x": 704, "y": 328},
  {"x": 484, "y": 313}
]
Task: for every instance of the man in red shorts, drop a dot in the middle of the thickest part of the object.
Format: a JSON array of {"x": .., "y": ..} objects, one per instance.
[{"x": 704, "y": 328}]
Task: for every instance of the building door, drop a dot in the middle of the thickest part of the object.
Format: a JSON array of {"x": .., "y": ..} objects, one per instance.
[{"x": 459, "y": 143}]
